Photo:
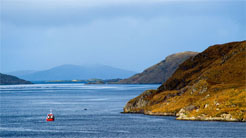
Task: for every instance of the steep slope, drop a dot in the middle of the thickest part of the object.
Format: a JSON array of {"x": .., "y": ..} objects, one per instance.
[
  {"x": 160, "y": 72},
  {"x": 8, "y": 79},
  {"x": 209, "y": 86},
  {"x": 72, "y": 72}
]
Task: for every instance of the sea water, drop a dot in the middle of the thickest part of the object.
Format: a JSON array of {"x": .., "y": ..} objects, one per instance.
[{"x": 93, "y": 111}]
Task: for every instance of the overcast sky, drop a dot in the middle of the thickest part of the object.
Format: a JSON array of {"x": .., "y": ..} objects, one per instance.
[{"x": 128, "y": 34}]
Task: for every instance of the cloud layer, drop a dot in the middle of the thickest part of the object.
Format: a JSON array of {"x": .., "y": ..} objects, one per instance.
[{"x": 125, "y": 34}]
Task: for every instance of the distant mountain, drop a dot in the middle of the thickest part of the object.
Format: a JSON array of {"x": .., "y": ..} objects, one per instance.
[
  {"x": 160, "y": 72},
  {"x": 8, "y": 79},
  {"x": 76, "y": 72},
  {"x": 21, "y": 72}
]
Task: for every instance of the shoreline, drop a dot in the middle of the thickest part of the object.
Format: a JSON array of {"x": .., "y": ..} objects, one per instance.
[{"x": 215, "y": 119}]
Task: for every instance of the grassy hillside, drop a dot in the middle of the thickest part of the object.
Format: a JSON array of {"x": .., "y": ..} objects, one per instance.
[
  {"x": 160, "y": 72},
  {"x": 209, "y": 86}
]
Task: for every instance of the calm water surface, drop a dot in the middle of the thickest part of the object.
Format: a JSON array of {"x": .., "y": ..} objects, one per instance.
[{"x": 23, "y": 110}]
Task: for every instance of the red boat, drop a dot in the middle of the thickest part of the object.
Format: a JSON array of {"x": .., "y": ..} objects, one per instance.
[{"x": 50, "y": 117}]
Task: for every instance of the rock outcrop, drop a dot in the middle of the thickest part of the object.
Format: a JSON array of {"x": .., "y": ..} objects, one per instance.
[
  {"x": 137, "y": 104},
  {"x": 209, "y": 86},
  {"x": 160, "y": 72}
]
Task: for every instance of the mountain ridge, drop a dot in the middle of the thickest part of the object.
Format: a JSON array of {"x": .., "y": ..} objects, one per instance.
[
  {"x": 161, "y": 71},
  {"x": 77, "y": 72},
  {"x": 21, "y": 72}
]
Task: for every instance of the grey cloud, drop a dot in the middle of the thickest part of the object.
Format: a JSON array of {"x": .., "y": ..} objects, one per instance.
[{"x": 26, "y": 15}]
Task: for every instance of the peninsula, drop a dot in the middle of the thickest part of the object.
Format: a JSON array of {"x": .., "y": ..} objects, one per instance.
[{"x": 209, "y": 86}]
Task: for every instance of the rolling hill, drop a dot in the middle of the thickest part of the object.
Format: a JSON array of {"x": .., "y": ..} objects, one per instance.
[
  {"x": 210, "y": 86},
  {"x": 160, "y": 72}
]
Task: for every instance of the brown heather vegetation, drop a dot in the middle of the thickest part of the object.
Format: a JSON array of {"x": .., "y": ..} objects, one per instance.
[
  {"x": 160, "y": 72},
  {"x": 209, "y": 86}
]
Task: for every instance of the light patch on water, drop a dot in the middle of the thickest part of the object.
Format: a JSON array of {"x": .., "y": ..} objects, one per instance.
[
  {"x": 120, "y": 131},
  {"x": 29, "y": 87},
  {"x": 96, "y": 99},
  {"x": 25, "y": 129},
  {"x": 21, "y": 129},
  {"x": 82, "y": 101}
]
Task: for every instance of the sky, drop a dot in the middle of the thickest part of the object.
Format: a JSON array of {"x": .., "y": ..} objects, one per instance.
[{"x": 128, "y": 34}]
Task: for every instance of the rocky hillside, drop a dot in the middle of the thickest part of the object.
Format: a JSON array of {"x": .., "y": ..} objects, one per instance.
[
  {"x": 160, "y": 72},
  {"x": 8, "y": 79},
  {"x": 210, "y": 86}
]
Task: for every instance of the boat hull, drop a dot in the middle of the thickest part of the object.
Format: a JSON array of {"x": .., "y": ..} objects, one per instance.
[{"x": 50, "y": 119}]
